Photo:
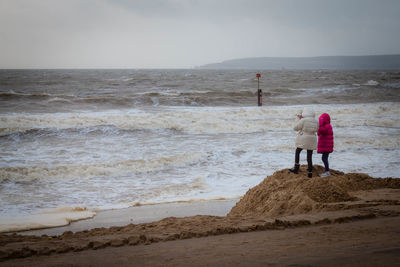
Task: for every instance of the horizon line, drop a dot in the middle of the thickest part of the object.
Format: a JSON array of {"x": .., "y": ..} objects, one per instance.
[{"x": 184, "y": 68}]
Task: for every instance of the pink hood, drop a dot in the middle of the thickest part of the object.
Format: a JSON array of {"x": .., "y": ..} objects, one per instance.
[{"x": 324, "y": 119}]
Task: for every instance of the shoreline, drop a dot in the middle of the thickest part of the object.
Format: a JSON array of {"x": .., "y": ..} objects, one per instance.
[
  {"x": 322, "y": 238},
  {"x": 369, "y": 242},
  {"x": 337, "y": 214},
  {"x": 139, "y": 215}
]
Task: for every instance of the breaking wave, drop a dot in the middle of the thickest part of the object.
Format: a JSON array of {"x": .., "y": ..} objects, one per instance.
[
  {"x": 198, "y": 120},
  {"x": 98, "y": 169}
]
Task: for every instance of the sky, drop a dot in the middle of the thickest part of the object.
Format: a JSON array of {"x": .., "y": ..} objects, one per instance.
[{"x": 190, "y": 33}]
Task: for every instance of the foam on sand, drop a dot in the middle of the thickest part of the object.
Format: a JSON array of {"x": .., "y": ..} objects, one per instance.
[{"x": 46, "y": 219}]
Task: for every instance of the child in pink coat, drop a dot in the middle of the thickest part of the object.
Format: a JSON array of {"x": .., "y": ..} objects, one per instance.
[{"x": 325, "y": 141}]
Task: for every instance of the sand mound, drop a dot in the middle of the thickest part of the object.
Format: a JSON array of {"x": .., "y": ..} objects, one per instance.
[{"x": 285, "y": 193}]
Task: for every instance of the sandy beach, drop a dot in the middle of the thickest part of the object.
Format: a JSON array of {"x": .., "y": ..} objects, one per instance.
[
  {"x": 345, "y": 244},
  {"x": 348, "y": 219}
]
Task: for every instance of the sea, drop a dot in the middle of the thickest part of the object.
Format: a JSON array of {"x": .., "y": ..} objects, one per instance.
[{"x": 76, "y": 142}]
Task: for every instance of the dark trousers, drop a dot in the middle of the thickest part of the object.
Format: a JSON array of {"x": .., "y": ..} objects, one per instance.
[
  {"x": 309, "y": 157},
  {"x": 325, "y": 156}
]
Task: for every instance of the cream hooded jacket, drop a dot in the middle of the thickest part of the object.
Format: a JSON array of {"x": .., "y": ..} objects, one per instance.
[{"x": 307, "y": 128}]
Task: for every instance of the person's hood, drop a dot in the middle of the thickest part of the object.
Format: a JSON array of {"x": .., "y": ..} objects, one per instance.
[
  {"x": 324, "y": 119},
  {"x": 308, "y": 112}
]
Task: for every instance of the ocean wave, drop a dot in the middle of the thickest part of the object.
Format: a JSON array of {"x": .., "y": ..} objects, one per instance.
[
  {"x": 391, "y": 122},
  {"x": 357, "y": 143},
  {"x": 177, "y": 190},
  {"x": 345, "y": 144},
  {"x": 98, "y": 169},
  {"x": 200, "y": 120},
  {"x": 12, "y": 94},
  {"x": 58, "y": 99},
  {"x": 372, "y": 83},
  {"x": 45, "y": 101},
  {"x": 191, "y": 121},
  {"x": 227, "y": 96},
  {"x": 392, "y": 85}
]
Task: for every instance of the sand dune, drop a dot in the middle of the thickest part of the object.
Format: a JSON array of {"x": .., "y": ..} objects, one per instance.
[{"x": 285, "y": 193}]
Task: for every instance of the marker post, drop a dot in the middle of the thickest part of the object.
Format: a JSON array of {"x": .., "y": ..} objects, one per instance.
[{"x": 259, "y": 91}]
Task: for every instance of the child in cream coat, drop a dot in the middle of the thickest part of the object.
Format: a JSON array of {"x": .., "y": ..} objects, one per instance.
[{"x": 307, "y": 127}]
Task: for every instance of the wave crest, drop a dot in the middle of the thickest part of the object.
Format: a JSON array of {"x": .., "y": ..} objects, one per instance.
[
  {"x": 203, "y": 120},
  {"x": 92, "y": 170}
]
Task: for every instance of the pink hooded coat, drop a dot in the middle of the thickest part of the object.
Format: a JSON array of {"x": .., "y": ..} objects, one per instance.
[{"x": 325, "y": 134}]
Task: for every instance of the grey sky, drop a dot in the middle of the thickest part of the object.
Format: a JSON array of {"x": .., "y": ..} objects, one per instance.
[{"x": 187, "y": 33}]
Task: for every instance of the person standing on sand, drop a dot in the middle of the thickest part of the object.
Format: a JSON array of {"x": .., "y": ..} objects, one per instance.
[
  {"x": 307, "y": 126},
  {"x": 325, "y": 141}
]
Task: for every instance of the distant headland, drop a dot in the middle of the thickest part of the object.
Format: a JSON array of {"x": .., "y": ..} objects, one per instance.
[{"x": 372, "y": 62}]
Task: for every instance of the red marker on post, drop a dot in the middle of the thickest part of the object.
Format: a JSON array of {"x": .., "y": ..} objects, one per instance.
[{"x": 259, "y": 91}]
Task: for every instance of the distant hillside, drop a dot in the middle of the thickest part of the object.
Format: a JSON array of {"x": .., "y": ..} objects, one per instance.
[{"x": 380, "y": 62}]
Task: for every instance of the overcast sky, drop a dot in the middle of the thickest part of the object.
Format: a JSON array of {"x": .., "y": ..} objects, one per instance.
[{"x": 188, "y": 33}]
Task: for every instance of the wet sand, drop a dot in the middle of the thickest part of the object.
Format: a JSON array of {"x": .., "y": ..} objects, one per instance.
[
  {"x": 142, "y": 214},
  {"x": 374, "y": 242}
]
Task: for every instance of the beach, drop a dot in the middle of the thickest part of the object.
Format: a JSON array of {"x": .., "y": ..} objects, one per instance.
[
  {"x": 199, "y": 133},
  {"x": 347, "y": 244},
  {"x": 91, "y": 160},
  {"x": 347, "y": 218}
]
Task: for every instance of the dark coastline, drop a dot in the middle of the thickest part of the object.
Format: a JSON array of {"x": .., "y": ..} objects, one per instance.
[{"x": 370, "y": 62}]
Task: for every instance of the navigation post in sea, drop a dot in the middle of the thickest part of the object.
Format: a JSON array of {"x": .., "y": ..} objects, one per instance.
[{"x": 259, "y": 91}]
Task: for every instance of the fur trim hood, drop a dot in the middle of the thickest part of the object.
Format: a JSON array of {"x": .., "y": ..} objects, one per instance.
[{"x": 308, "y": 112}]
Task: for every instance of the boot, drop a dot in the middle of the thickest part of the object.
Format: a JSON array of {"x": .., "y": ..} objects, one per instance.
[
  {"x": 325, "y": 174},
  {"x": 295, "y": 169},
  {"x": 310, "y": 172}
]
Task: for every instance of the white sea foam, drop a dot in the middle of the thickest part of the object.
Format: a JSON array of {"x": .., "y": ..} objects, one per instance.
[
  {"x": 203, "y": 120},
  {"x": 372, "y": 83},
  {"x": 104, "y": 169},
  {"x": 392, "y": 85},
  {"x": 45, "y": 219}
]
